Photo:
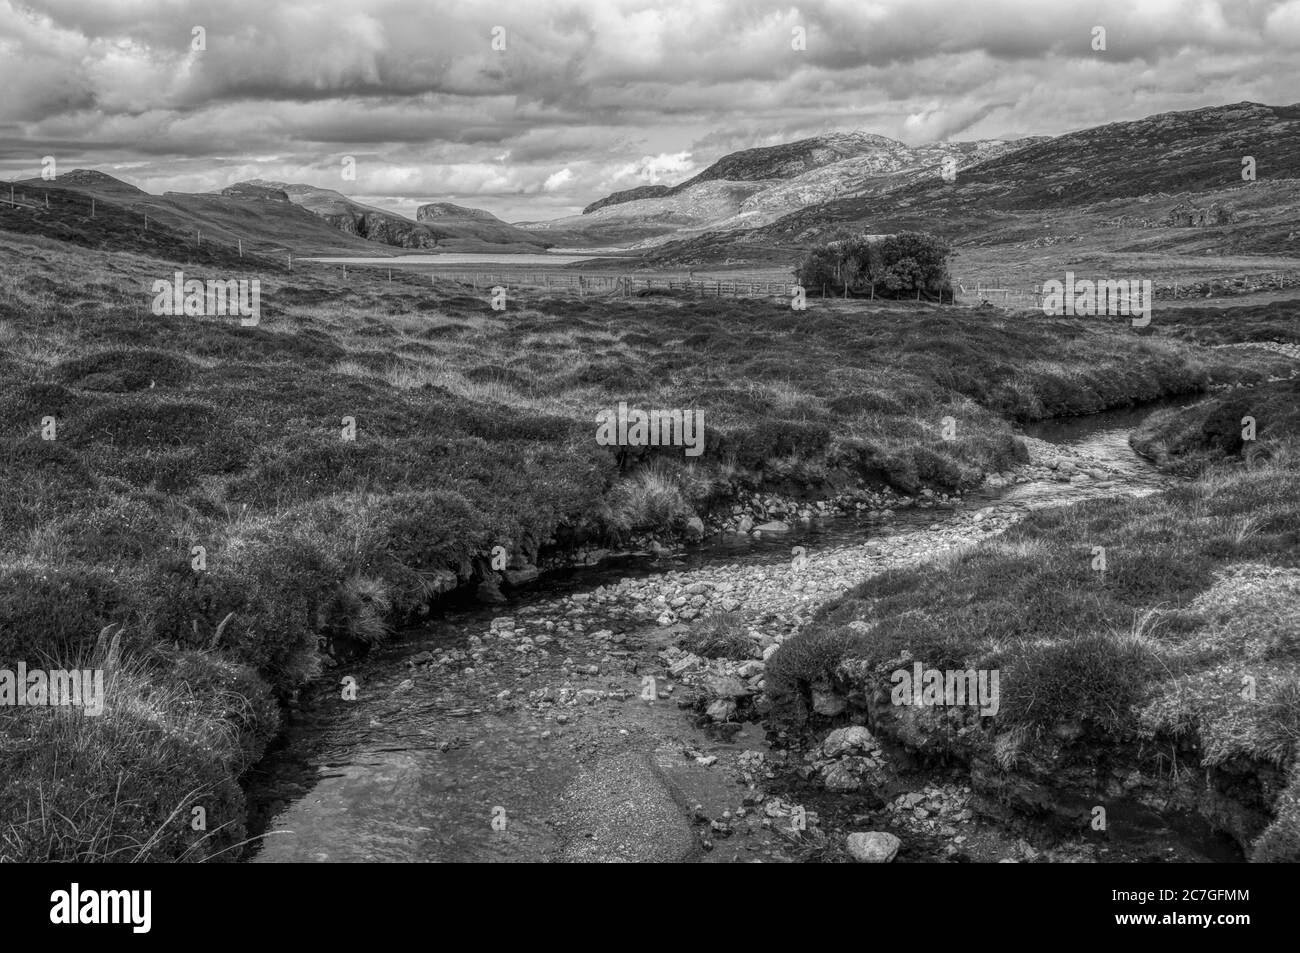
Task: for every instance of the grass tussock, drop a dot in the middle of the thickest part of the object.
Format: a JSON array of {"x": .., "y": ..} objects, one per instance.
[
  {"x": 1188, "y": 637},
  {"x": 720, "y": 635}
]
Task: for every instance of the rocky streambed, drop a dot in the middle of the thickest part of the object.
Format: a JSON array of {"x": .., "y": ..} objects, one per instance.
[{"x": 571, "y": 723}]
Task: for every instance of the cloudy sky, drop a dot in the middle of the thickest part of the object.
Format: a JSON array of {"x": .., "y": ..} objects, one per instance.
[{"x": 587, "y": 96}]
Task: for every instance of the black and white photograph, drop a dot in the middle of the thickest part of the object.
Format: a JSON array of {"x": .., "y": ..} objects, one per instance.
[{"x": 691, "y": 432}]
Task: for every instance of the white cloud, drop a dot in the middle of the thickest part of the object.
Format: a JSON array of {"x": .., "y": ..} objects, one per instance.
[
  {"x": 612, "y": 93},
  {"x": 559, "y": 180}
]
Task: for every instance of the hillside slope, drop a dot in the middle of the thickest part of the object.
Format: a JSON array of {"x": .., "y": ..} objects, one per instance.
[
  {"x": 755, "y": 187},
  {"x": 440, "y": 225},
  {"x": 1148, "y": 185},
  {"x": 1169, "y": 153},
  {"x": 118, "y": 217}
]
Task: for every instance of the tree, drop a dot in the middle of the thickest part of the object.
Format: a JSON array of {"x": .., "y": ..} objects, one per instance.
[{"x": 894, "y": 266}]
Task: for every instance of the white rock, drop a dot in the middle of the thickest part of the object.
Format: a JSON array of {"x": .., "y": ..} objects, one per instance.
[{"x": 873, "y": 847}]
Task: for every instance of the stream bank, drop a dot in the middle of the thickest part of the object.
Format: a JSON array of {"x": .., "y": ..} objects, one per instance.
[{"x": 570, "y": 723}]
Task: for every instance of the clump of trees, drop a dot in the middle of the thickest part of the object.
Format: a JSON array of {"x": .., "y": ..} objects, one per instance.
[{"x": 906, "y": 265}]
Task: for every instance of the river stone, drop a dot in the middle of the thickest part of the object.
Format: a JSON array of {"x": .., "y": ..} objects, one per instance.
[
  {"x": 721, "y": 710},
  {"x": 847, "y": 740},
  {"x": 841, "y": 778},
  {"x": 745, "y": 525},
  {"x": 725, "y": 686},
  {"x": 686, "y": 663},
  {"x": 623, "y": 810},
  {"x": 873, "y": 847},
  {"x": 775, "y": 526},
  {"x": 695, "y": 527},
  {"x": 827, "y": 703}
]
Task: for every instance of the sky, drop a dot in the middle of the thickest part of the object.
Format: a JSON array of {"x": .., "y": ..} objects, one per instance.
[{"x": 532, "y": 109}]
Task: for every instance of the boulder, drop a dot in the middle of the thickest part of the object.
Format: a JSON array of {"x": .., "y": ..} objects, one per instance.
[
  {"x": 721, "y": 710},
  {"x": 854, "y": 739},
  {"x": 841, "y": 778},
  {"x": 873, "y": 847},
  {"x": 724, "y": 686}
]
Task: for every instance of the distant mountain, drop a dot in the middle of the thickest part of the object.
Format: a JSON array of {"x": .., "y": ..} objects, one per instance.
[
  {"x": 754, "y": 187},
  {"x": 1167, "y": 153},
  {"x": 1127, "y": 185},
  {"x": 791, "y": 159},
  {"x": 439, "y": 225}
]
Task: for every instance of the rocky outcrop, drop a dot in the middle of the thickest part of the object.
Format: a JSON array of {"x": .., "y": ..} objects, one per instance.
[
  {"x": 246, "y": 190},
  {"x": 438, "y": 211},
  {"x": 384, "y": 229},
  {"x": 628, "y": 195},
  {"x": 1186, "y": 215}
]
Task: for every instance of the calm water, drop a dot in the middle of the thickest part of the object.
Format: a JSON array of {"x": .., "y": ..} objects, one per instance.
[
  {"x": 414, "y": 773},
  {"x": 462, "y": 258}
]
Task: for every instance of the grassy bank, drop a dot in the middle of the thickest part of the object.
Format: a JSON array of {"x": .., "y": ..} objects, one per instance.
[
  {"x": 1246, "y": 423},
  {"x": 1171, "y": 678},
  {"x": 199, "y": 494}
]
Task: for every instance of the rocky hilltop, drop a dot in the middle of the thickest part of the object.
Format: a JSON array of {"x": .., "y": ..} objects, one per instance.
[
  {"x": 755, "y": 187},
  {"x": 442, "y": 211},
  {"x": 246, "y": 190},
  {"x": 628, "y": 195},
  {"x": 437, "y": 225},
  {"x": 88, "y": 180}
]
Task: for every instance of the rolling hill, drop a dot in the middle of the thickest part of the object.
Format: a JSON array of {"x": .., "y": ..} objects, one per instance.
[
  {"x": 124, "y": 217},
  {"x": 273, "y": 218}
]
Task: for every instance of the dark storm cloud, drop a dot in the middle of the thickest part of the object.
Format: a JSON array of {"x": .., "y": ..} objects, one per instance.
[{"x": 591, "y": 95}]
